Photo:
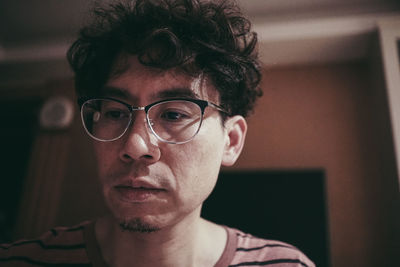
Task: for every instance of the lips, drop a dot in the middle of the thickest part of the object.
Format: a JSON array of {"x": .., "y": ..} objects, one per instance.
[{"x": 137, "y": 191}]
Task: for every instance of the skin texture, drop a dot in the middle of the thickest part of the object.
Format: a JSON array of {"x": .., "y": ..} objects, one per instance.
[{"x": 184, "y": 175}]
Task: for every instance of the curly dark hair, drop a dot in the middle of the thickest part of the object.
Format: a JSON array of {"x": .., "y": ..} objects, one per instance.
[{"x": 196, "y": 36}]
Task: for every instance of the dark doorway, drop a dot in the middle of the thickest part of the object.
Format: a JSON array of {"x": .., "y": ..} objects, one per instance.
[
  {"x": 18, "y": 127},
  {"x": 289, "y": 206}
]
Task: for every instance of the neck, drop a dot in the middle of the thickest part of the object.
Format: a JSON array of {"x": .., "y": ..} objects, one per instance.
[{"x": 190, "y": 242}]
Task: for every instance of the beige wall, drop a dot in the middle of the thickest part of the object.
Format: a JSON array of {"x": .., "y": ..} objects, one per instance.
[{"x": 329, "y": 117}]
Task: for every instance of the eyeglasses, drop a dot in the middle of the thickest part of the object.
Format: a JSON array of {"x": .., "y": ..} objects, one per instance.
[{"x": 174, "y": 121}]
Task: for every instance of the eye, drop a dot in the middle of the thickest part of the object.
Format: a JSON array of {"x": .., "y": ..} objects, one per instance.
[
  {"x": 173, "y": 115},
  {"x": 115, "y": 114}
]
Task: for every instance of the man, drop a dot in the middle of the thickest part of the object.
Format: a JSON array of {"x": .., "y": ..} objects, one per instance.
[{"x": 163, "y": 88}]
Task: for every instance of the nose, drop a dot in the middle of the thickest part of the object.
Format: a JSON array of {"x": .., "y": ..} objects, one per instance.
[{"x": 139, "y": 144}]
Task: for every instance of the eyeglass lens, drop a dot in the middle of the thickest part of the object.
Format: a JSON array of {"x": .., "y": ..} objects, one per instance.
[{"x": 174, "y": 121}]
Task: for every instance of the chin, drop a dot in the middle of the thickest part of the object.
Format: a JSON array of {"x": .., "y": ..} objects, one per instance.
[
  {"x": 138, "y": 225},
  {"x": 134, "y": 219}
]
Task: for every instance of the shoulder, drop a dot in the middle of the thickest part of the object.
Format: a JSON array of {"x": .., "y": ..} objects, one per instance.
[
  {"x": 60, "y": 245},
  {"x": 255, "y": 251}
]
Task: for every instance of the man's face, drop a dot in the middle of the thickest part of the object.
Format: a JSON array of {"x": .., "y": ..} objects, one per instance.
[{"x": 149, "y": 184}]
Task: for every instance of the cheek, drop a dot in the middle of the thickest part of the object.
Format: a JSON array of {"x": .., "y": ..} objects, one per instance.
[
  {"x": 105, "y": 156},
  {"x": 100, "y": 155},
  {"x": 197, "y": 171}
]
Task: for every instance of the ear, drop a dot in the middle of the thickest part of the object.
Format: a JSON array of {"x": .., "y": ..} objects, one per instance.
[{"x": 236, "y": 128}]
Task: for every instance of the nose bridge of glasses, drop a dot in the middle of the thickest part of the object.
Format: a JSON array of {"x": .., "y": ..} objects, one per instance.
[
  {"x": 133, "y": 108},
  {"x": 134, "y": 116},
  {"x": 133, "y": 122}
]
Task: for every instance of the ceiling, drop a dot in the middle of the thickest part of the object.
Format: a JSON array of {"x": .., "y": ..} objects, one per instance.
[{"x": 35, "y": 34}]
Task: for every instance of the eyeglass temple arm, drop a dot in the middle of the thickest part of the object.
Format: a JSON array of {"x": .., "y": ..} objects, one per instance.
[{"x": 219, "y": 108}]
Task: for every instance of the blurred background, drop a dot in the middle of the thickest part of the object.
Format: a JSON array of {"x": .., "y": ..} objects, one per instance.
[{"x": 324, "y": 139}]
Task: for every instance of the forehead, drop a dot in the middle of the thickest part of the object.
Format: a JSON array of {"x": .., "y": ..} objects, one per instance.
[{"x": 144, "y": 84}]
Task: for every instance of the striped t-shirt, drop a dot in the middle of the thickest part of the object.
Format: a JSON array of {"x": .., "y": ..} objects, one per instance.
[{"x": 77, "y": 246}]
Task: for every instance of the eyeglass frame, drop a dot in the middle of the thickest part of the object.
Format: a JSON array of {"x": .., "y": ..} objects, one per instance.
[{"x": 201, "y": 103}]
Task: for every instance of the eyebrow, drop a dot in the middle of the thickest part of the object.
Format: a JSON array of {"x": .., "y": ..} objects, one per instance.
[
  {"x": 111, "y": 91},
  {"x": 184, "y": 92},
  {"x": 175, "y": 92}
]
